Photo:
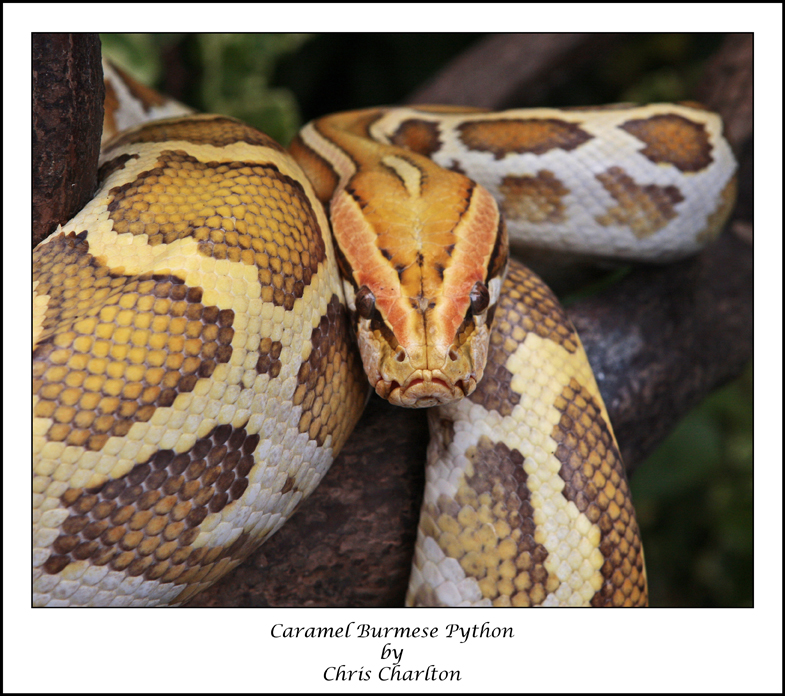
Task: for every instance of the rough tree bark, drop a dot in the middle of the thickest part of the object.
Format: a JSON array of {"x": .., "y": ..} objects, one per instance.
[{"x": 68, "y": 108}]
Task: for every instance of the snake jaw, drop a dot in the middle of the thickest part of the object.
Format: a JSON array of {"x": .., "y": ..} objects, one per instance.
[
  {"x": 426, "y": 388},
  {"x": 425, "y": 378},
  {"x": 423, "y": 375}
]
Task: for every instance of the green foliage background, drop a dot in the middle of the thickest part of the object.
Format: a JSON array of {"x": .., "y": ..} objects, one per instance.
[{"x": 694, "y": 495}]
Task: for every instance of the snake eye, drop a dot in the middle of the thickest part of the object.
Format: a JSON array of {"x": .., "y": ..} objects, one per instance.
[
  {"x": 365, "y": 302},
  {"x": 479, "y": 297}
]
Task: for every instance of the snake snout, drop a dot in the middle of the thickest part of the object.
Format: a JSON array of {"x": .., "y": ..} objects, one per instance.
[{"x": 425, "y": 388}]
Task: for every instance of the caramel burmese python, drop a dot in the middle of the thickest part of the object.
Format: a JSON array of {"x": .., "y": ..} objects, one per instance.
[{"x": 194, "y": 374}]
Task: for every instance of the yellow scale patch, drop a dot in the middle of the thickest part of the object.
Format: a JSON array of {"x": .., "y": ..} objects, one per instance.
[
  {"x": 488, "y": 570},
  {"x": 571, "y": 539}
]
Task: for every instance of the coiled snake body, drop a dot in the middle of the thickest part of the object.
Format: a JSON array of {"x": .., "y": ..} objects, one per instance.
[{"x": 194, "y": 364}]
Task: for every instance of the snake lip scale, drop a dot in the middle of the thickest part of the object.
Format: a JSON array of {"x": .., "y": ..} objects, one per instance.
[{"x": 196, "y": 331}]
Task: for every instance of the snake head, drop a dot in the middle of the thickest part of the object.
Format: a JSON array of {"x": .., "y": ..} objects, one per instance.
[{"x": 423, "y": 291}]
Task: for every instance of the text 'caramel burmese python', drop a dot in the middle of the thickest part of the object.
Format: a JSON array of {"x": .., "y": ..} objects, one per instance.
[{"x": 194, "y": 368}]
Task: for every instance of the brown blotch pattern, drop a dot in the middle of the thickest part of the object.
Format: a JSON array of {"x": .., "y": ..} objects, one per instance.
[
  {"x": 344, "y": 268},
  {"x": 288, "y": 485},
  {"x": 497, "y": 263},
  {"x": 331, "y": 382},
  {"x": 442, "y": 430},
  {"x": 673, "y": 139},
  {"x": 319, "y": 171},
  {"x": 456, "y": 167},
  {"x": 114, "y": 348},
  {"x": 145, "y": 523},
  {"x": 465, "y": 330},
  {"x": 417, "y": 135},
  {"x": 218, "y": 130},
  {"x": 537, "y": 136},
  {"x": 269, "y": 361},
  {"x": 245, "y": 212},
  {"x": 593, "y": 472},
  {"x": 538, "y": 198},
  {"x": 526, "y": 304},
  {"x": 228, "y": 557},
  {"x": 489, "y": 529},
  {"x": 113, "y": 165},
  {"x": 644, "y": 209},
  {"x": 382, "y": 332}
]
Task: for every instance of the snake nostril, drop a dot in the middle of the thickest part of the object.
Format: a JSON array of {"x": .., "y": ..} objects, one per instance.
[
  {"x": 400, "y": 355},
  {"x": 453, "y": 354}
]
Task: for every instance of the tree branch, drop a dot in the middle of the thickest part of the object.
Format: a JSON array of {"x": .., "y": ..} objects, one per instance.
[{"x": 68, "y": 109}]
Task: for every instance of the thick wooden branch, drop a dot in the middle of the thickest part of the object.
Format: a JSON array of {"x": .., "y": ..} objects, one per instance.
[
  {"x": 68, "y": 109},
  {"x": 512, "y": 70}
]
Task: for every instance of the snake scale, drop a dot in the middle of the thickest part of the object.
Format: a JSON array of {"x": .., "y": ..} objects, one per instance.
[{"x": 195, "y": 370}]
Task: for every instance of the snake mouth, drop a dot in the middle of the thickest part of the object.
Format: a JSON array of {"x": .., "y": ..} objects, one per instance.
[{"x": 424, "y": 391}]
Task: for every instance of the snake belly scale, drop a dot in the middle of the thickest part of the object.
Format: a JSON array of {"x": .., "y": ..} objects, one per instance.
[{"x": 194, "y": 367}]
